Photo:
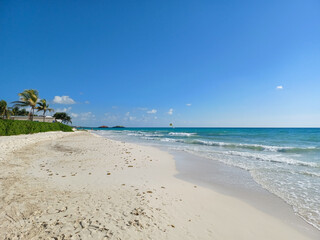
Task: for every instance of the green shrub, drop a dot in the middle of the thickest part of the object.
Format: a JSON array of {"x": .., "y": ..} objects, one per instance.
[
  {"x": 3, "y": 128},
  {"x": 16, "y": 127}
]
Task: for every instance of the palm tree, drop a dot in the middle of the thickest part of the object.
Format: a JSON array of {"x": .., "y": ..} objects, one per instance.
[
  {"x": 16, "y": 111},
  {"x": 43, "y": 106},
  {"x": 28, "y": 98},
  {"x": 4, "y": 111},
  {"x": 63, "y": 116}
]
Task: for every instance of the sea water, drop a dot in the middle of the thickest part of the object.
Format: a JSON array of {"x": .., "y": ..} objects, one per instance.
[{"x": 285, "y": 161}]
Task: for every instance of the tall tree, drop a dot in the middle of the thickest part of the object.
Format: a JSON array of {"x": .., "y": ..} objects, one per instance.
[
  {"x": 43, "y": 106},
  {"x": 64, "y": 117},
  {"x": 28, "y": 98},
  {"x": 4, "y": 111},
  {"x": 16, "y": 111}
]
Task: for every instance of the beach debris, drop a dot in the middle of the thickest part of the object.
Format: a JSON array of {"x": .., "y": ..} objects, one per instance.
[
  {"x": 108, "y": 173},
  {"x": 149, "y": 191},
  {"x": 138, "y": 211},
  {"x": 136, "y": 223},
  {"x": 81, "y": 224},
  {"x": 130, "y": 166}
]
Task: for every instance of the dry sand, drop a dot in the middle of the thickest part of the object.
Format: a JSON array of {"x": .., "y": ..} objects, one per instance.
[{"x": 81, "y": 186}]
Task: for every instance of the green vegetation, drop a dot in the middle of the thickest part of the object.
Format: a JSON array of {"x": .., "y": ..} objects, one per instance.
[
  {"x": 16, "y": 111},
  {"x": 118, "y": 127},
  {"x": 12, "y": 127},
  {"x": 28, "y": 98},
  {"x": 63, "y": 116},
  {"x": 4, "y": 111},
  {"x": 44, "y": 106}
]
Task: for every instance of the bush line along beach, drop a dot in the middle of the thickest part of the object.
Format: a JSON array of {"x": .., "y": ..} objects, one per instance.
[
  {"x": 26, "y": 123},
  {"x": 12, "y": 127}
]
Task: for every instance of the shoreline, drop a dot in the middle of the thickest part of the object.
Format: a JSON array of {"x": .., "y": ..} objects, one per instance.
[
  {"x": 243, "y": 187},
  {"x": 216, "y": 175},
  {"x": 82, "y": 186}
]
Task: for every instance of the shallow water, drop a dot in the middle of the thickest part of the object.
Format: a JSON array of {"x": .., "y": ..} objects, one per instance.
[{"x": 284, "y": 161}]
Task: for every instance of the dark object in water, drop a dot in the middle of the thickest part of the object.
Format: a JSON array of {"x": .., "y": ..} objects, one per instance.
[{"x": 103, "y": 126}]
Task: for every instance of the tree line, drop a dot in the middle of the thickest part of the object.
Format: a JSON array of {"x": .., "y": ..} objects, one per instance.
[{"x": 30, "y": 98}]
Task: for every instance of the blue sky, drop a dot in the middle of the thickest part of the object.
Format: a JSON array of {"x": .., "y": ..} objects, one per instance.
[{"x": 149, "y": 63}]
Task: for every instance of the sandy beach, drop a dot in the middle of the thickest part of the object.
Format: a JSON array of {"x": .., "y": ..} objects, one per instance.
[{"x": 81, "y": 186}]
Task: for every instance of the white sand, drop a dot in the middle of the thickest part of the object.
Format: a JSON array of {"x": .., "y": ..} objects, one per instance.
[{"x": 80, "y": 186}]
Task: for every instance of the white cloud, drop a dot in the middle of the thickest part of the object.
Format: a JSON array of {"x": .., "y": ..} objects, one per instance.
[
  {"x": 279, "y": 87},
  {"x": 87, "y": 114},
  {"x": 84, "y": 116},
  {"x": 170, "y": 112},
  {"x": 110, "y": 117},
  {"x": 153, "y": 111},
  {"x": 142, "y": 108},
  {"x": 86, "y": 102},
  {"x": 74, "y": 115},
  {"x": 188, "y": 104},
  {"x": 128, "y": 117},
  {"x": 63, "y": 100},
  {"x": 63, "y": 109}
]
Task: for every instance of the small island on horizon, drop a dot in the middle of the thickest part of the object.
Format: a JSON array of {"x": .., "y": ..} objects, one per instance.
[{"x": 118, "y": 126}]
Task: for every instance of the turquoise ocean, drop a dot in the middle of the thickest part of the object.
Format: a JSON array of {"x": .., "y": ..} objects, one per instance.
[{"x": 285, "y": 161}]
